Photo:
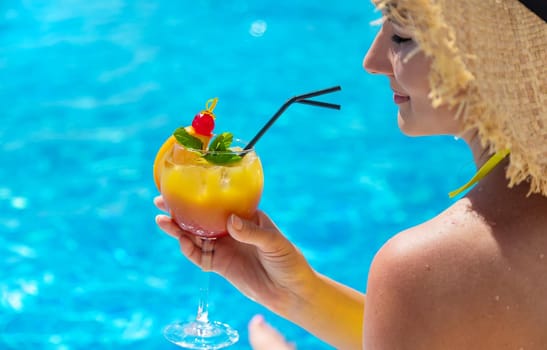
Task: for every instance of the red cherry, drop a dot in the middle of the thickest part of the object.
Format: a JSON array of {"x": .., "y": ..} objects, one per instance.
[{"x": 203, "y": 123}]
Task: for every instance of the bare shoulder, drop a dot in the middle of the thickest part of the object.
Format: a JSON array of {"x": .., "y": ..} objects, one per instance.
[
  {"x": 447, "y": 283},
  {"x": 410, "y": 281}
]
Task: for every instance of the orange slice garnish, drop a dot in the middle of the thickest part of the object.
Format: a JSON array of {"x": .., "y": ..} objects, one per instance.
[
  {"x": 160, "y": 158},
  {"x": 204, "y": 138},
  {"x": 180, "y": 154}
]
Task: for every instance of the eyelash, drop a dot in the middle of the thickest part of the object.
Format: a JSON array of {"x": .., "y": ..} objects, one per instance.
[{"x": 398, "y": 39}]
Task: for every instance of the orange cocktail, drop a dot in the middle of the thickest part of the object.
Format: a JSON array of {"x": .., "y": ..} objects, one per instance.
[
  {"x": 201, "y": 195},
  {"x": 204, "y": 177}
]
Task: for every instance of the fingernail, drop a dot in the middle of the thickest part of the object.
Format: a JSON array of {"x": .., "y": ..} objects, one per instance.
[
  {"x": 236, "y": 222},
  {"x": 258, "y": 319},
  {"x": 157, "y": 219}
]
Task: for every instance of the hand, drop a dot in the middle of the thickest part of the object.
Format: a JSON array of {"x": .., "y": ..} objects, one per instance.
[{"x": 255, "y": 257}]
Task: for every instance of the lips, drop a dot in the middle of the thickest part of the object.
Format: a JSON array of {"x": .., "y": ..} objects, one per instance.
[{"x": 398, "y": 99}]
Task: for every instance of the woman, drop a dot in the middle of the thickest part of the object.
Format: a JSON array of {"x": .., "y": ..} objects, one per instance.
[{"x": 473, "y": 277}]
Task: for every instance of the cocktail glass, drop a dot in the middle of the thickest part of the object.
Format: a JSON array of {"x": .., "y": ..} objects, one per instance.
[{"x": 200, "y": 197}]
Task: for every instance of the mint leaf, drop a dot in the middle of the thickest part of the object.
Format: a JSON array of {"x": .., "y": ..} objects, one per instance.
[
  {"x": 222, "y": 142},
  {"x": 220, "y": 146},
  {"x": 187, "y": 140},
  {"x": 222, "y": 158}
]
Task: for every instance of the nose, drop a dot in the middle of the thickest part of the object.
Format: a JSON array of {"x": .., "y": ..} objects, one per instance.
[{"x": 377, "y": 60}]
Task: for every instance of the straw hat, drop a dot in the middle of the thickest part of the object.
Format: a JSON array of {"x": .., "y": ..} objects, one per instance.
[{"x": 489, "y": 61}]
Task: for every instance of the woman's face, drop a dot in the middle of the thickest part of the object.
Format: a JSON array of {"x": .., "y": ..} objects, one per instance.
[{"x": 409, "y": 82}]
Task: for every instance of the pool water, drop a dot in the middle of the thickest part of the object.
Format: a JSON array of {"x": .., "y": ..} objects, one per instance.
[{"x": 90, "y": 89}]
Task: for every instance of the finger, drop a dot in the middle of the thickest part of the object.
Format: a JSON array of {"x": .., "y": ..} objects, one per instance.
[
  {"x": 160, "y": 203},
  {"x": 169, "y": 226},
  {"x": 265, "y": 235},
  {"x": 190, "y": 250}
]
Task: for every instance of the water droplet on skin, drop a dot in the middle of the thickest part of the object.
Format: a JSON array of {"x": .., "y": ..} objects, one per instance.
[
  {"x": 497, "y": 298},
  {"x": 541, "y": 256}
]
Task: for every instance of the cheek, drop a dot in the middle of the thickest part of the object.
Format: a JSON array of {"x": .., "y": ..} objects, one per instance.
[
  {"x": 419, "y": 117},
  {"x": 412, "y": 75}
]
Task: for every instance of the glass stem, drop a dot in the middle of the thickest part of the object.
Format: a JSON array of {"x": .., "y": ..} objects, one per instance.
[{"x": 207, "y": 250}]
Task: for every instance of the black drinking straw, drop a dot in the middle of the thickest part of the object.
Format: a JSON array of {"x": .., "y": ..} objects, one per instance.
[{"x": 304, "y": 99}]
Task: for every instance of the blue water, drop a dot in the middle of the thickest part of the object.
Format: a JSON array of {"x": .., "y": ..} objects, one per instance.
[{"x": 90, "y": 89}]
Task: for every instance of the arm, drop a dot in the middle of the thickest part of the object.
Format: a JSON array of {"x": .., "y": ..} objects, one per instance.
[{"x": 331, "y": 311}]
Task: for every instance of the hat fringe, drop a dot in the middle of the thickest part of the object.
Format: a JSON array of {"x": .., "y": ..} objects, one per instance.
[{"x": 535, "y": 177}]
